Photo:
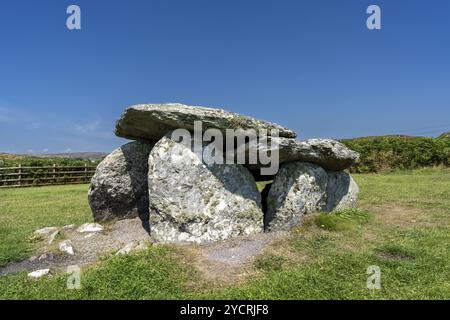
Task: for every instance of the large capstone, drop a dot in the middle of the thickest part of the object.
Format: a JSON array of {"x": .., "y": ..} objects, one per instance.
[
  {"x": 194, "y": 202},
  {"x": 119, "y": 187},
  {"x": 327, "y": 153},
  {"x": 298, "y": 188},
  {"x": 342, "y": 191},
  {"x": 153, "y": 121}
]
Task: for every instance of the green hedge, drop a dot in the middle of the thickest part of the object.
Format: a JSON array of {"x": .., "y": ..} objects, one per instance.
[{"x": 399, "y": 152}]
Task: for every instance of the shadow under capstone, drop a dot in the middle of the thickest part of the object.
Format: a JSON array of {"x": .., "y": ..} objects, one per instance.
[{"x": 139, "y": 183}]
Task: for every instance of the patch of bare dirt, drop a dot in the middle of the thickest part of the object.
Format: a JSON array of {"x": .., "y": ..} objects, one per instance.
[
  {"x": 88, "y": 247},
  {"x": 394, "y": 256},
  {"x": 230, "y": 261},
  {"x": 224, "y": 261},
  {"x": 403, "y": 217}
]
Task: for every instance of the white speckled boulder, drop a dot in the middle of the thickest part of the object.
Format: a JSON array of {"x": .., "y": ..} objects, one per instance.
[
  {"x": 301, "y": 187},
  {"x": 192, "y": 202},
  {"x": 298, "y": 188}
]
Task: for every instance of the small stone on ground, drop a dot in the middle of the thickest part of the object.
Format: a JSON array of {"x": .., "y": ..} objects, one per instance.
[
  {"x": 67, "y": 247},
  {"x": 90, "y": 227},
  {"x": 39, "y": 273}
]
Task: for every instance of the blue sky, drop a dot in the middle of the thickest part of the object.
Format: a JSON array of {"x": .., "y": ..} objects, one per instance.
[{"x": 312, "y": 66}]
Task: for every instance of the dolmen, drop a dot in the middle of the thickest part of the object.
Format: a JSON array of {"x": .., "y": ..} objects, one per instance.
[{"x": 190, "y": 173}]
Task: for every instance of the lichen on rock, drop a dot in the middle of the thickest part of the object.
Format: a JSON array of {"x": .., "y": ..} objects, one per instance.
[
  {"x": 298, "y": 188},
  {"x": 191, "y": 201}
]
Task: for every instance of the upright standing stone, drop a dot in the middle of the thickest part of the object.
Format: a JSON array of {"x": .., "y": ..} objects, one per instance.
[
  {"x": 190, "y": 201},
  {"x": 342, "y": 191},
  {"x": 298, "y": 188},
  {"x": 119, "y": 187}
]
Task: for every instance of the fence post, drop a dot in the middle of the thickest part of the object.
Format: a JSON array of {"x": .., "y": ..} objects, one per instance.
[
  {"x": 20, "y": 174},
  {"x": 54, "y": 173},
  {"x": 85, "y": 172}
]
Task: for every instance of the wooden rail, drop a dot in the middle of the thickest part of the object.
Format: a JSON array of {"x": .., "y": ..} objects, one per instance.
[{"x": 13, "y": 177}]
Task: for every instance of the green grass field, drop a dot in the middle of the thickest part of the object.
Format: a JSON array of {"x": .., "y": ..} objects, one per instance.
[
  {"x": 402, "y": 226},
  {"x": 24, "y": 210}
]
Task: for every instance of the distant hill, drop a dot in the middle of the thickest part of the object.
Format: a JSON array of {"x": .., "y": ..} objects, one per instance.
[
  {"x": 445, "y": 135},
  {"x": 62, "y": 159},
  {"x": 91, "y": 156},
  {"x": 10, "y": 156}
]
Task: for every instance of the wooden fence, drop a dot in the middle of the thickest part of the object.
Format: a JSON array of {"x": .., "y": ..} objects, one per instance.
[{"x": 20, "y": 176}]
